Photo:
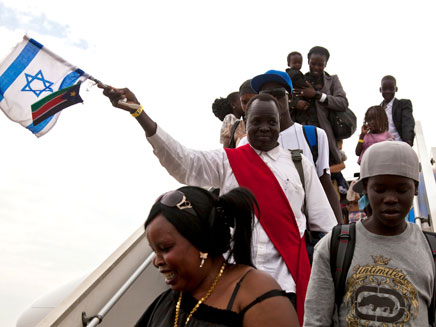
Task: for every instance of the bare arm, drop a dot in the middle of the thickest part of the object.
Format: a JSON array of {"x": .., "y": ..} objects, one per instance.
[
  {"x": 329, "y": 190},
  {"x": 187, "y": 166},
  {"x": 337, "y": 168},
  {"x": 274, "y": 311},
  {"x": 359, "y": 146}
]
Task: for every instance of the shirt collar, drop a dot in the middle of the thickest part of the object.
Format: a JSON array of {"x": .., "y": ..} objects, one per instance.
[
  {"x": 391, "y": 102},
  {"x": 274, "y": 153}
]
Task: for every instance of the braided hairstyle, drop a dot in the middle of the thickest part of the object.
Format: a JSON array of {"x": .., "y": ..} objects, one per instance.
[
  {"x": 221, "y": 107},
  {"x": 210, "y": 230}
]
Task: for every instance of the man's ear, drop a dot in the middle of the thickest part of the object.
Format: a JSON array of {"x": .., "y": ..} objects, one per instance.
[
  {"x": 396, "y": 89},
  {"x": 380, "y": 89},
  {"x": 416, "y": 188}
]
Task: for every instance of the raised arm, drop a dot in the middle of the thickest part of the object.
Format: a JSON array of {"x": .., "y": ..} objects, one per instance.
[
  {"x": 187, "y": 166},
  {"x": 126, "y": 100},
  {"x": 363, "y": 131}
]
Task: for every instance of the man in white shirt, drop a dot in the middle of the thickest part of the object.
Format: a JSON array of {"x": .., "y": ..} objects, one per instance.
[
  {"x": 292, "y": 135},
  {"x": 212, "y": 168}
]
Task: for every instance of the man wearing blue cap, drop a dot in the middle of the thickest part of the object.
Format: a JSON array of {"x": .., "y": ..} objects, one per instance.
[{"x": 292, "y": 136}]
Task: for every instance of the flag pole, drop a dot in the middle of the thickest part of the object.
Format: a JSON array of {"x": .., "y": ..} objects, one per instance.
[{"x": 133, "y": 106}]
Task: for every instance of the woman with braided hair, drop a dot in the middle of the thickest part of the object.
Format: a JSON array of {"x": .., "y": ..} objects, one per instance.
[{"x": 189, "y": 230}]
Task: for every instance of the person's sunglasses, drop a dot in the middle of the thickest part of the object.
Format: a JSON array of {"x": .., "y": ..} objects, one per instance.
[
  {"x": 176, "y": 199},
  {"x": 276, "y": 93}
]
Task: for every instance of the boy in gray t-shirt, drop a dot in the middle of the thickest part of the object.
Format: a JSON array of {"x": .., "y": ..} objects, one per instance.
[{"x": 390, "y": 280}]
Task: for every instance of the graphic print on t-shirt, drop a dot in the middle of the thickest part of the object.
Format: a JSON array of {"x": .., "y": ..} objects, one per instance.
[{"x": 379, "y": 295}]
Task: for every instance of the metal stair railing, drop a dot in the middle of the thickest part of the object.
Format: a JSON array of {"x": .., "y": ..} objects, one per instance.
[
  {"x": 427, "y": 176},
  {"x": 98, "y": 318}
]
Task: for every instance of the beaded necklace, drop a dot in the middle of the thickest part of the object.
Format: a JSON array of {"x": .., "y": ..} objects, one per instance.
[{"x": 209, "y": 292}]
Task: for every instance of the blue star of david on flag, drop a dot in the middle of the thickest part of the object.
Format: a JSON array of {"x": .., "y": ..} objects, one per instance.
[
  {"x": 23, "y": 82},
  {"x": 42, "y": 85}
]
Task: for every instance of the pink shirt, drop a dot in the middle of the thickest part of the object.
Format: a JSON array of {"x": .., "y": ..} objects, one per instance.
[{"x": 372, "y": 138}]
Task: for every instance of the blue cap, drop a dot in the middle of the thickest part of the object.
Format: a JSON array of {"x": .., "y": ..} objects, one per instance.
[{"x": 272, "y": 76}]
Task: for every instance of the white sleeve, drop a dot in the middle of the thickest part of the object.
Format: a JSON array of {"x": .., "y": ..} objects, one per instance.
[
  {"x": 187, "y": 166},
  {"x": 322, "y": 163},
  {"x": 321, "y": 216}
]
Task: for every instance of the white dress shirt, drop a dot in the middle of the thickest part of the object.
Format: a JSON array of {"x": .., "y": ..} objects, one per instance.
[
  {"x": 212, "y": 168},
  {"x": 392, "y": 128},
  {"x": 293, "y": 138}
]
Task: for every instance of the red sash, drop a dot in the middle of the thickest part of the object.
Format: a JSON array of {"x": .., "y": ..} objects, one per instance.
[{"x": 276, "y": 215}]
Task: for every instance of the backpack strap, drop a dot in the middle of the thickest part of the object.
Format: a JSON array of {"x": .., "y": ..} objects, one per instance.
[
  {"x": 342, "y": 246},
  {"x": 297, "y": 158},
  {"x": 232, "y": 143},
  {"x": 311, "y": 136},
  {"x": 431, "y": 239}
]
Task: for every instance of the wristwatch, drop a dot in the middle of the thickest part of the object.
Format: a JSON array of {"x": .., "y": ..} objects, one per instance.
[{"x": 318, "y": 95}]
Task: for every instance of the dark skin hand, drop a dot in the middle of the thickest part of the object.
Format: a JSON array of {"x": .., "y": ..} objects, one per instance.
[
  {"x": 149, "y": 126},
  {"x": 308, "y": 92},
  {"x": 359, "y": 147},
  {"x": 121, "y": 98}
]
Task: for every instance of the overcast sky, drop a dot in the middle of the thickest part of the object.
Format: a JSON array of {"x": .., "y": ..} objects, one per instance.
[{"x": 69, "y": 198}]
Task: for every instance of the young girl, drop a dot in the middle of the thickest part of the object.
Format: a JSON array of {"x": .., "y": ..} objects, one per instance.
[{"x": 375, "y": 129}]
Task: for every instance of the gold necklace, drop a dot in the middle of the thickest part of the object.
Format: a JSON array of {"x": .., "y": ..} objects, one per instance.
[{"x": 209, "y": 292}]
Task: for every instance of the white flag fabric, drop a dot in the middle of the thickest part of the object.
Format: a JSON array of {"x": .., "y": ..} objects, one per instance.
[{"x": 30, "y": 73}]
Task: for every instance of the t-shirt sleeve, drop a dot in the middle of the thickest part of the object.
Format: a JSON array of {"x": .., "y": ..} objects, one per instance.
[{"x": 319, "y": 306}]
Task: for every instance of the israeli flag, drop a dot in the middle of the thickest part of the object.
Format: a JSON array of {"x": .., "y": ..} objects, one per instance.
[{"x": 30, "y": 73}]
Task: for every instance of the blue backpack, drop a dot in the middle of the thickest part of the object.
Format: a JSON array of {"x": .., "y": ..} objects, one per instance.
[{"x": 312, "y": 140}]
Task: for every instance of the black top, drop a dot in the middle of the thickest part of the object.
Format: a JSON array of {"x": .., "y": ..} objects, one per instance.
[
  {"x": 310, "y": 115},
  {"x": 161, "y": 313}
]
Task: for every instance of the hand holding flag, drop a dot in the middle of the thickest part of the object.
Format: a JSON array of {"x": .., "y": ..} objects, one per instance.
[{"x": 120, "y": 98}]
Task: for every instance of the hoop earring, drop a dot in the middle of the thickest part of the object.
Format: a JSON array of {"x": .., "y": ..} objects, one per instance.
[{"x": 203, "y": 256}]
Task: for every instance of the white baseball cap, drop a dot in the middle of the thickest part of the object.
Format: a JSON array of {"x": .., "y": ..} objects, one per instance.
[{"x": 388, "y": 158}]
